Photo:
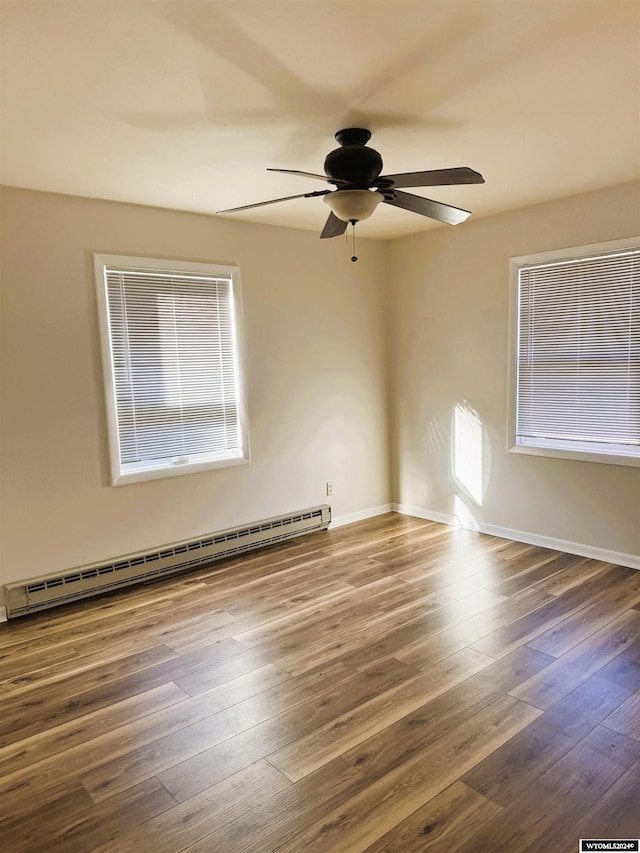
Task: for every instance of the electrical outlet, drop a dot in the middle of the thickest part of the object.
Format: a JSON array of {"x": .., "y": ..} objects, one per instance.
[{"x": 329, "y": 488}]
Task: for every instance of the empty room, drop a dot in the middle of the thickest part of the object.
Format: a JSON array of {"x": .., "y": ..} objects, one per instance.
[{"x": 320, "y": 426}]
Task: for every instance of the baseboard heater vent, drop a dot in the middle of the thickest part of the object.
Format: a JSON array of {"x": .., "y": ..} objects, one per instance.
[{"x": 49, "y": 590}]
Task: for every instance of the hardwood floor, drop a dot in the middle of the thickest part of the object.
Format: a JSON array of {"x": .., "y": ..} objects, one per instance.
[{"x": 394, "y": 685}]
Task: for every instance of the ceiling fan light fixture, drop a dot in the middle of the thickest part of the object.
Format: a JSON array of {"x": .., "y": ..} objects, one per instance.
[{"x": 353, "y": 205}]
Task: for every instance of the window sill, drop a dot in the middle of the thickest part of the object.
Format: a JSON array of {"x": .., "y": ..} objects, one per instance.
[
  {"x": 577, "y": 455},
  {"x": 123, "y": 478}
]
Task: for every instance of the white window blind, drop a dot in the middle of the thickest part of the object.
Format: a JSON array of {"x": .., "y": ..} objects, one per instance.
[
  {"x": 176, "y": 390},
  {"x": 578, "y": 354}
]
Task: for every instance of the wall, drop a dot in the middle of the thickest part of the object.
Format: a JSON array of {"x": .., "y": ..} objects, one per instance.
[
  {"x": 449, "y": 304},
  {"x": 316, "y": 328},
  {"x": 315, "y": 354}
]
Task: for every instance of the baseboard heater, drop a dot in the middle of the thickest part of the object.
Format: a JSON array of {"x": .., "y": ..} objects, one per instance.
[{"x": 50, "y": 590}]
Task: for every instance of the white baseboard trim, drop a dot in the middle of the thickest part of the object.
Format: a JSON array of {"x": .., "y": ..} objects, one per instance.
[
  {"x": 618, "y": 558},
  {"x": 360, "y": 515},
  {"x": 428, "y": 515},
  {"x": 3, "y": 614}
]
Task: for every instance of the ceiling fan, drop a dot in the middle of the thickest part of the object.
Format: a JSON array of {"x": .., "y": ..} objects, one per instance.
[{"x": 354, "y": 170}]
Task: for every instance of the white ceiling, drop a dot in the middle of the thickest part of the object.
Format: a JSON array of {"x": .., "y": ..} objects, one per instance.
[{"x": 185, "y": 104}]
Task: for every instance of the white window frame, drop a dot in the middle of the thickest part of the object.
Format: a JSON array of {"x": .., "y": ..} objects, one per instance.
[
  {"x": 137, "y": 472},
  {"x": 615, "y": 457}
]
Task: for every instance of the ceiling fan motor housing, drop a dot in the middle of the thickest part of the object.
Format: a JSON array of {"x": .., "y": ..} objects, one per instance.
[{"x": 353, "y": 162}]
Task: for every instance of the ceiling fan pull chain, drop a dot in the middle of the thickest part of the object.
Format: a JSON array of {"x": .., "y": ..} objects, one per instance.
[{"x": 354, "y": 257}]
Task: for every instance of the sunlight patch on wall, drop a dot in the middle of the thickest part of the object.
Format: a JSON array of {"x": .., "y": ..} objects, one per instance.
[
  {"x": 467, "y": 452},
  {"x": 463, "y": 515}
]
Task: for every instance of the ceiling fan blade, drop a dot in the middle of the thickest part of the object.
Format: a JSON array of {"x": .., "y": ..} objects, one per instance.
[
  {"x": 428, "y": 207},
  {"x": 435, "y": 178},
  {"x": 333, "y": 227},
  {"x": 273, "y": 201},
  {"x": 311, "y": 175}
]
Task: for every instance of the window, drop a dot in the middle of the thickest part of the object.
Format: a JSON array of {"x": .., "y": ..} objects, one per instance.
[
  {"x": 171, "y": 342},
  {"x": 576, "y": 353}
]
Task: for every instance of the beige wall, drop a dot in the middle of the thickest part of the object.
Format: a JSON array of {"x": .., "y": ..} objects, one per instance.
[
  {"x": 449, "y": 304},
  {"x": 315, "y": 354}
]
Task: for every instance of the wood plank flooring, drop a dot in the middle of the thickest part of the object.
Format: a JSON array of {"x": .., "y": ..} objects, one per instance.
[{"x": 391, "y": 686}]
